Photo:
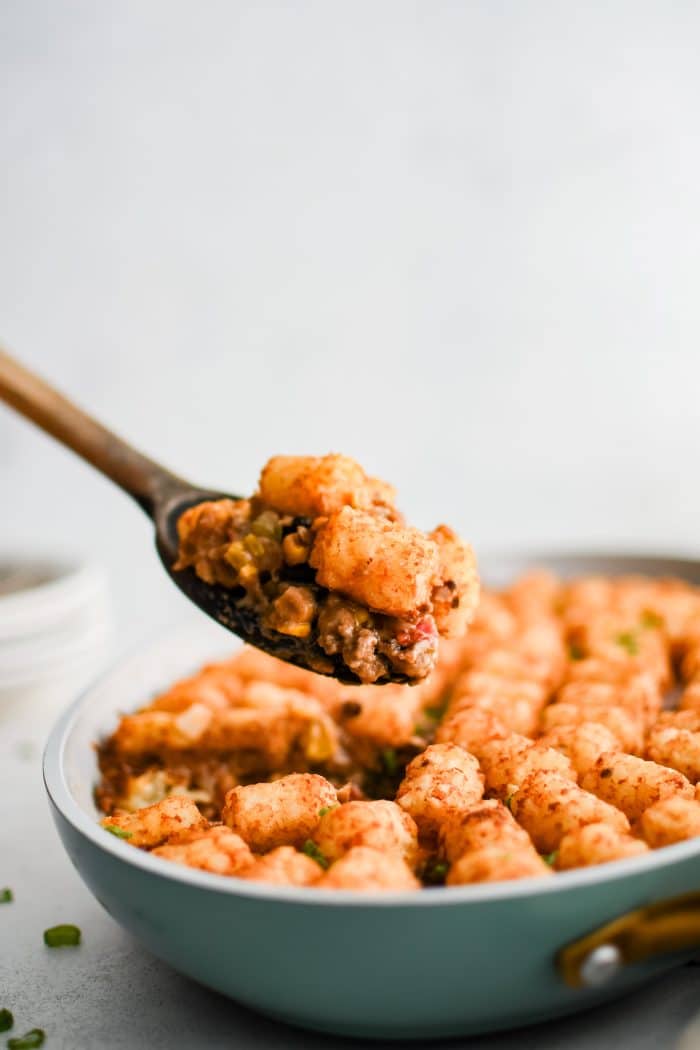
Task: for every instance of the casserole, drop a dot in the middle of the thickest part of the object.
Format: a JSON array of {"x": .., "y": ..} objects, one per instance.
[{"x": 450, "y": 961}]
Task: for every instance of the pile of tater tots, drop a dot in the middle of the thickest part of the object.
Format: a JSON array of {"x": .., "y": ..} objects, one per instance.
[{"x": 562, "y": 731}]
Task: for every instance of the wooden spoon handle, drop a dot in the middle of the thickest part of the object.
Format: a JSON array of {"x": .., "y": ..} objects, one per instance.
[{"x": 34, "y": 398}]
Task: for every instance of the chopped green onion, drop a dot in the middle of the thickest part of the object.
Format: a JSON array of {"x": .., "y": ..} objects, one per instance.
[
  {"x": 435, "y": 713},
  {"x": 390, "y": 761},
  {"x": 28, "y": 1041},
  {"x": 120, "y": 833},
  {"x": 550, "y": 858},
  {"x": 628, "y": 641},
  {"x": 434, "y": 872},
  {"x": 6, "y": 895},
  {"x": 66, "y": 936},
  {"x": 6, "y": 1020},
  {"x": 507, "y": 802},
  {"x": 650, "y": 620},
  {"x": 326, "y": 809},
  {"x": 311, "y": 850},
  {"x": 576, "y": 652}
]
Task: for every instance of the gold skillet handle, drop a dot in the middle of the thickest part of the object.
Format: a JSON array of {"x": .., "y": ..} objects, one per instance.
[{"x": 660, "y": 929}]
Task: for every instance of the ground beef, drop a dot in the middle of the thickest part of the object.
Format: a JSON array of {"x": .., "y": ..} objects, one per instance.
[{"x": 373, "y": 646}]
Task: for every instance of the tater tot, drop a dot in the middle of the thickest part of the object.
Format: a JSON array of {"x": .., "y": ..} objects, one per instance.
[
  {"x": 626, "y": 727},
  {"x": 545, "y": 670},
  {"x": 596, "y": 844},
  {"x": 381, "y": 825},
  {"x": 549, "y": 806},
  {"x": 272, "y": 731},
  {"x": 518, "y": 713},
  {"x": 366, "y": 869},
  {"x": 633, "y": 784},
  {"x": 152, "y": 825},
  {"x": 381, "y": 715},
  {"x": 216, "y": 849},
  {"x": 677, "y": 748},
  {"x": 690, "y": 663},
  {"x": 676, "y": 603},
  {"x": 284, "y": 812},
  {"x": 216, "y": 685},
  {"x": 310, "y": 486},
  {"x": 441, "y": 780},
  {"x": 582, "y": 744},
  {"x": 690, "y": 697},
  {"x": 650, "y": 652},
  {"x": 487, "y": 823},
  {"x": 388, "y": 567},
  {"x": 508, "y": 762},
  {"x": 534, "y": 594},
  {"x": 255, "y": 667},
  {"x": 541, "y": 642},
  {"x": 456, "y": 586},
  {"x": 470, "y": 728},
  {"x": 284, "y": 866},
  {"x": 684, "y": 719},
  {"x": 672, "y": 820},
  {"x": 633, "y": 695},
  {"x": 496, "y": 864},
  {"x": 479, "y": 683}
]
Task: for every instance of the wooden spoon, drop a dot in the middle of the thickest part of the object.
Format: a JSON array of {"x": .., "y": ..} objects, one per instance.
[{"x": 162, "y": 495}]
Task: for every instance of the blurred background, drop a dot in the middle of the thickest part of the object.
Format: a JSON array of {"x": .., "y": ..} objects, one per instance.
[{"x": 458, "y": 241}]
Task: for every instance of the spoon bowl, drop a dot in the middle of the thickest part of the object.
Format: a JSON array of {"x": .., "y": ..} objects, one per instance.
[{"x": 223, "y": 604}]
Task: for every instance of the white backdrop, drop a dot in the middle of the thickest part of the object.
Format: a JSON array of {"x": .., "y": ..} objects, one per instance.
[{"x": 456, "y": 240}]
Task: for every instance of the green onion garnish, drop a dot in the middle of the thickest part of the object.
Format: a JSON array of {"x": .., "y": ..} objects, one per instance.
[
  {"x": 650, "y": 619},
  {"x": 507, "y": 802},
  {"x": 628, "y": 641},
  {"x": 435, "y": 713},
  {"x": 119, "y": 832},
  {"x": 66, "y": 936},
  {"x": 28, "y": 1041},
  {"x": 550, "y": 858},
  {"x": 326, "y": 809},
  {"x": 391, "y": 762},
  {"x": 434, "y": 872},
  {"x": 6, "y": 895},
  {"x": 576, "y": 652},
  {"x": 6, "y": 1020},
  {"x": 311, "y": 850}
]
